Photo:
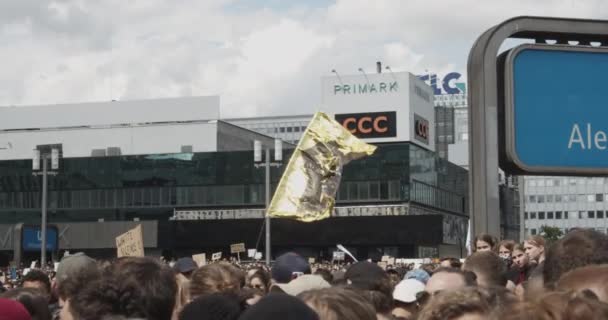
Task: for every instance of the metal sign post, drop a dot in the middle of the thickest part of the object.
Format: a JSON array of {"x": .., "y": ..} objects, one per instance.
[{"x": 486, "y": 95}]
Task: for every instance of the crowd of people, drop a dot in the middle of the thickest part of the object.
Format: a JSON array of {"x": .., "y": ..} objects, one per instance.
[{"x": 567, "y": 279}]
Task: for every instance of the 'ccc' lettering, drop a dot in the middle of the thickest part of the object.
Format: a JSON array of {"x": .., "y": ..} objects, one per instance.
[
  {"x": 422, "y": 129},
  {"x": 366, "y": 125}
]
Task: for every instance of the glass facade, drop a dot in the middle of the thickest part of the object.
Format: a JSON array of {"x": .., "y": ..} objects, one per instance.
[{"x": 150, "y": 187}]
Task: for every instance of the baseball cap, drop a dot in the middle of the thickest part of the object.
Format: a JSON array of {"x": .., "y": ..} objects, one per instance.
[
  {"x": 287, "y": 265},
  {"x": 364, "y": 275},
  {"x": 407, "y": 290},
  {"x": 72, "y": 264},
  {"x": 303, "y": 283},
  {"x": 418, "y": 274},
  {"x": 184, "y": 265}
]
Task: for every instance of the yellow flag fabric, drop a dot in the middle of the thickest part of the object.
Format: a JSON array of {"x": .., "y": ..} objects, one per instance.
[{"x": 308, "y": 187}]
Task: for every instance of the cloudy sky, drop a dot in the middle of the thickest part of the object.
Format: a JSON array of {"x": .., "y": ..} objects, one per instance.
[{"x": 262, "y": 57}]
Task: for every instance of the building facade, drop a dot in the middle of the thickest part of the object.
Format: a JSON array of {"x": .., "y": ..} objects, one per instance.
[
  {"x": 565, "y": 203},
  {"x": 190, "y": 177}
]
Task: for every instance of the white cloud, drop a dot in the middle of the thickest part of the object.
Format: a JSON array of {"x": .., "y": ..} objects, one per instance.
[{"x": 260, "y": 60}]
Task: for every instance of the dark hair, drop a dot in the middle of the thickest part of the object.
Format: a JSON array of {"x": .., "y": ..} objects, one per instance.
[
  {"x": 455, "y": 304},
  {"x": 220, "y": 306},
  {"x": 576, "y": 249},
  {"x": 217, "y": 277},
  {"x": 487, "y": 266},
  {"x": 33, "y": 300},
  {"x": 38, "y": 276},
  {"x": 454, "y": 262},
  {"x": 131, "y": 287},
  {"x": 487, "y": 239},
  {"x": 339, "y": 303},
  {"x": 73, "y": 284},
  {"x": 537, "y": 241},
  {"x": 509, "y": 244},
  {"x": 325, "y": 274},
  {"x": 263, "y": 276}
]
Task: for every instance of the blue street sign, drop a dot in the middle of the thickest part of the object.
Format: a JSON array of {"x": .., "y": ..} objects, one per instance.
[
  {"x": 556, "y": 109},
  {"x": 31, "y": 238}
]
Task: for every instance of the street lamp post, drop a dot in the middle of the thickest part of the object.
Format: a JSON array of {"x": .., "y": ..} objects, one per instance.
[
  {"x": 44, "y": 153},
  {"x": 257, "y": 158}
]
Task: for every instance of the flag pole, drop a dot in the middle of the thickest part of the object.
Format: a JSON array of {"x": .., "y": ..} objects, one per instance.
[{"x": 267, "y": 167}]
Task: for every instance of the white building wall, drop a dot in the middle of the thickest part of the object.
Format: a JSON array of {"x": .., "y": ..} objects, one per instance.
[{"x": 133, "y": 140}]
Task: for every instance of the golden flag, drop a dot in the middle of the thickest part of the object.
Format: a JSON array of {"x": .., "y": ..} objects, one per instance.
[{"x": 309, "y": 184}]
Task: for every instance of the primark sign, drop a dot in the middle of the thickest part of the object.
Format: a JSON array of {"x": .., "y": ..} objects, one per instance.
[{"x": 366, "y": 88}]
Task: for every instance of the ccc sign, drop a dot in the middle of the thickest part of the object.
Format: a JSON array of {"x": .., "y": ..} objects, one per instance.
[
  {"x": 370, "y": 125},
  {"x": 421, "y": 129}
]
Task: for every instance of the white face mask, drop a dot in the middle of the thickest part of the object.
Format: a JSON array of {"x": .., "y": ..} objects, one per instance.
[{"x": 504, "y": 256}]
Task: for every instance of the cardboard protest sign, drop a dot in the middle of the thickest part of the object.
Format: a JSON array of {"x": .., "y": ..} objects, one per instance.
[
  {"x": 251, "y": 253},
  {"x": 391, "y": 261},
  {"x": 311, "y": 260},
  {"x": 258, "y": 256},
  {"x": 200, "y": 259},
  {"x": 237, "y": 248},
  {"x": 385, "y": 258},
  {"x": 216, "y": 256},
  {"x": 382, "y": 265},
  {"x": 33, "y": 265},
  {"x": 130, "y": 243}
]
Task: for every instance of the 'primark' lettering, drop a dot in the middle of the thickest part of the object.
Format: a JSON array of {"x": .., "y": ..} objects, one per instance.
[
  {"x": 588, "y": 140},
  {"x": 366, "y": 88}
]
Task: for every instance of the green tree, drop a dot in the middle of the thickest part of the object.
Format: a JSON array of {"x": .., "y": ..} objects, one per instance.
[{"x": 551, "y": 234}]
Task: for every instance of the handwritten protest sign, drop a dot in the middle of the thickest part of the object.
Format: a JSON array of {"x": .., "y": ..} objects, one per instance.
[
  {"x": 200, "y": 259},
  {"x": 216, "y": 256},
  {"x": 130, "y": 243},
  {"x": 237, "y": 248}
]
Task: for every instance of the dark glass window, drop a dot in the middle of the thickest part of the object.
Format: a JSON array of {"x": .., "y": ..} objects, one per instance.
[
  {"x": 558, "y": 214},
  {"x": 550, "y": 215},
  {"x": 600, "y": 214},
  {"x": 541, "y": 215}
]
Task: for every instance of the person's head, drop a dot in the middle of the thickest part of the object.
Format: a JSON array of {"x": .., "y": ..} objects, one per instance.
[
  {"x": 535, "y": 248},
  {"x": 419, "y": 274},
  {"x": 216, "y": 306},
  {"x": 38, "y": 280},
  {"x": 450, "y": 262},
  {"x": 488, "y": 267},
  {"x": 288, "y": 267},
  {"x": 185, "y": 266},
  {"x": 405, "y": 298},
  {"x": 466, "y": 303},
  {"x": 260, "y": 280},
  {"x": 519, "y": 256},
  {"x": 557, "y": 305},
  {"x": 13, "y": 310},
  {"x": 279, "y": 306},
  {"x": 70, "y": 266},
  {"x": 33, "y": 299},
  {"x": 339, "y": 303},
  {"x": 484, "y": 242},
  {"x": 213, "y": 278},
  {"x": 448, "y": 279},
  {"x": 505, "y": 249},
  {"x": 593, "y": 278},
  {"x": 368, "y": 276},
  {"x": 130, "y": 287},
  {"x": 302, "y": 283},
  {"x": 576, "y": 249}
]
